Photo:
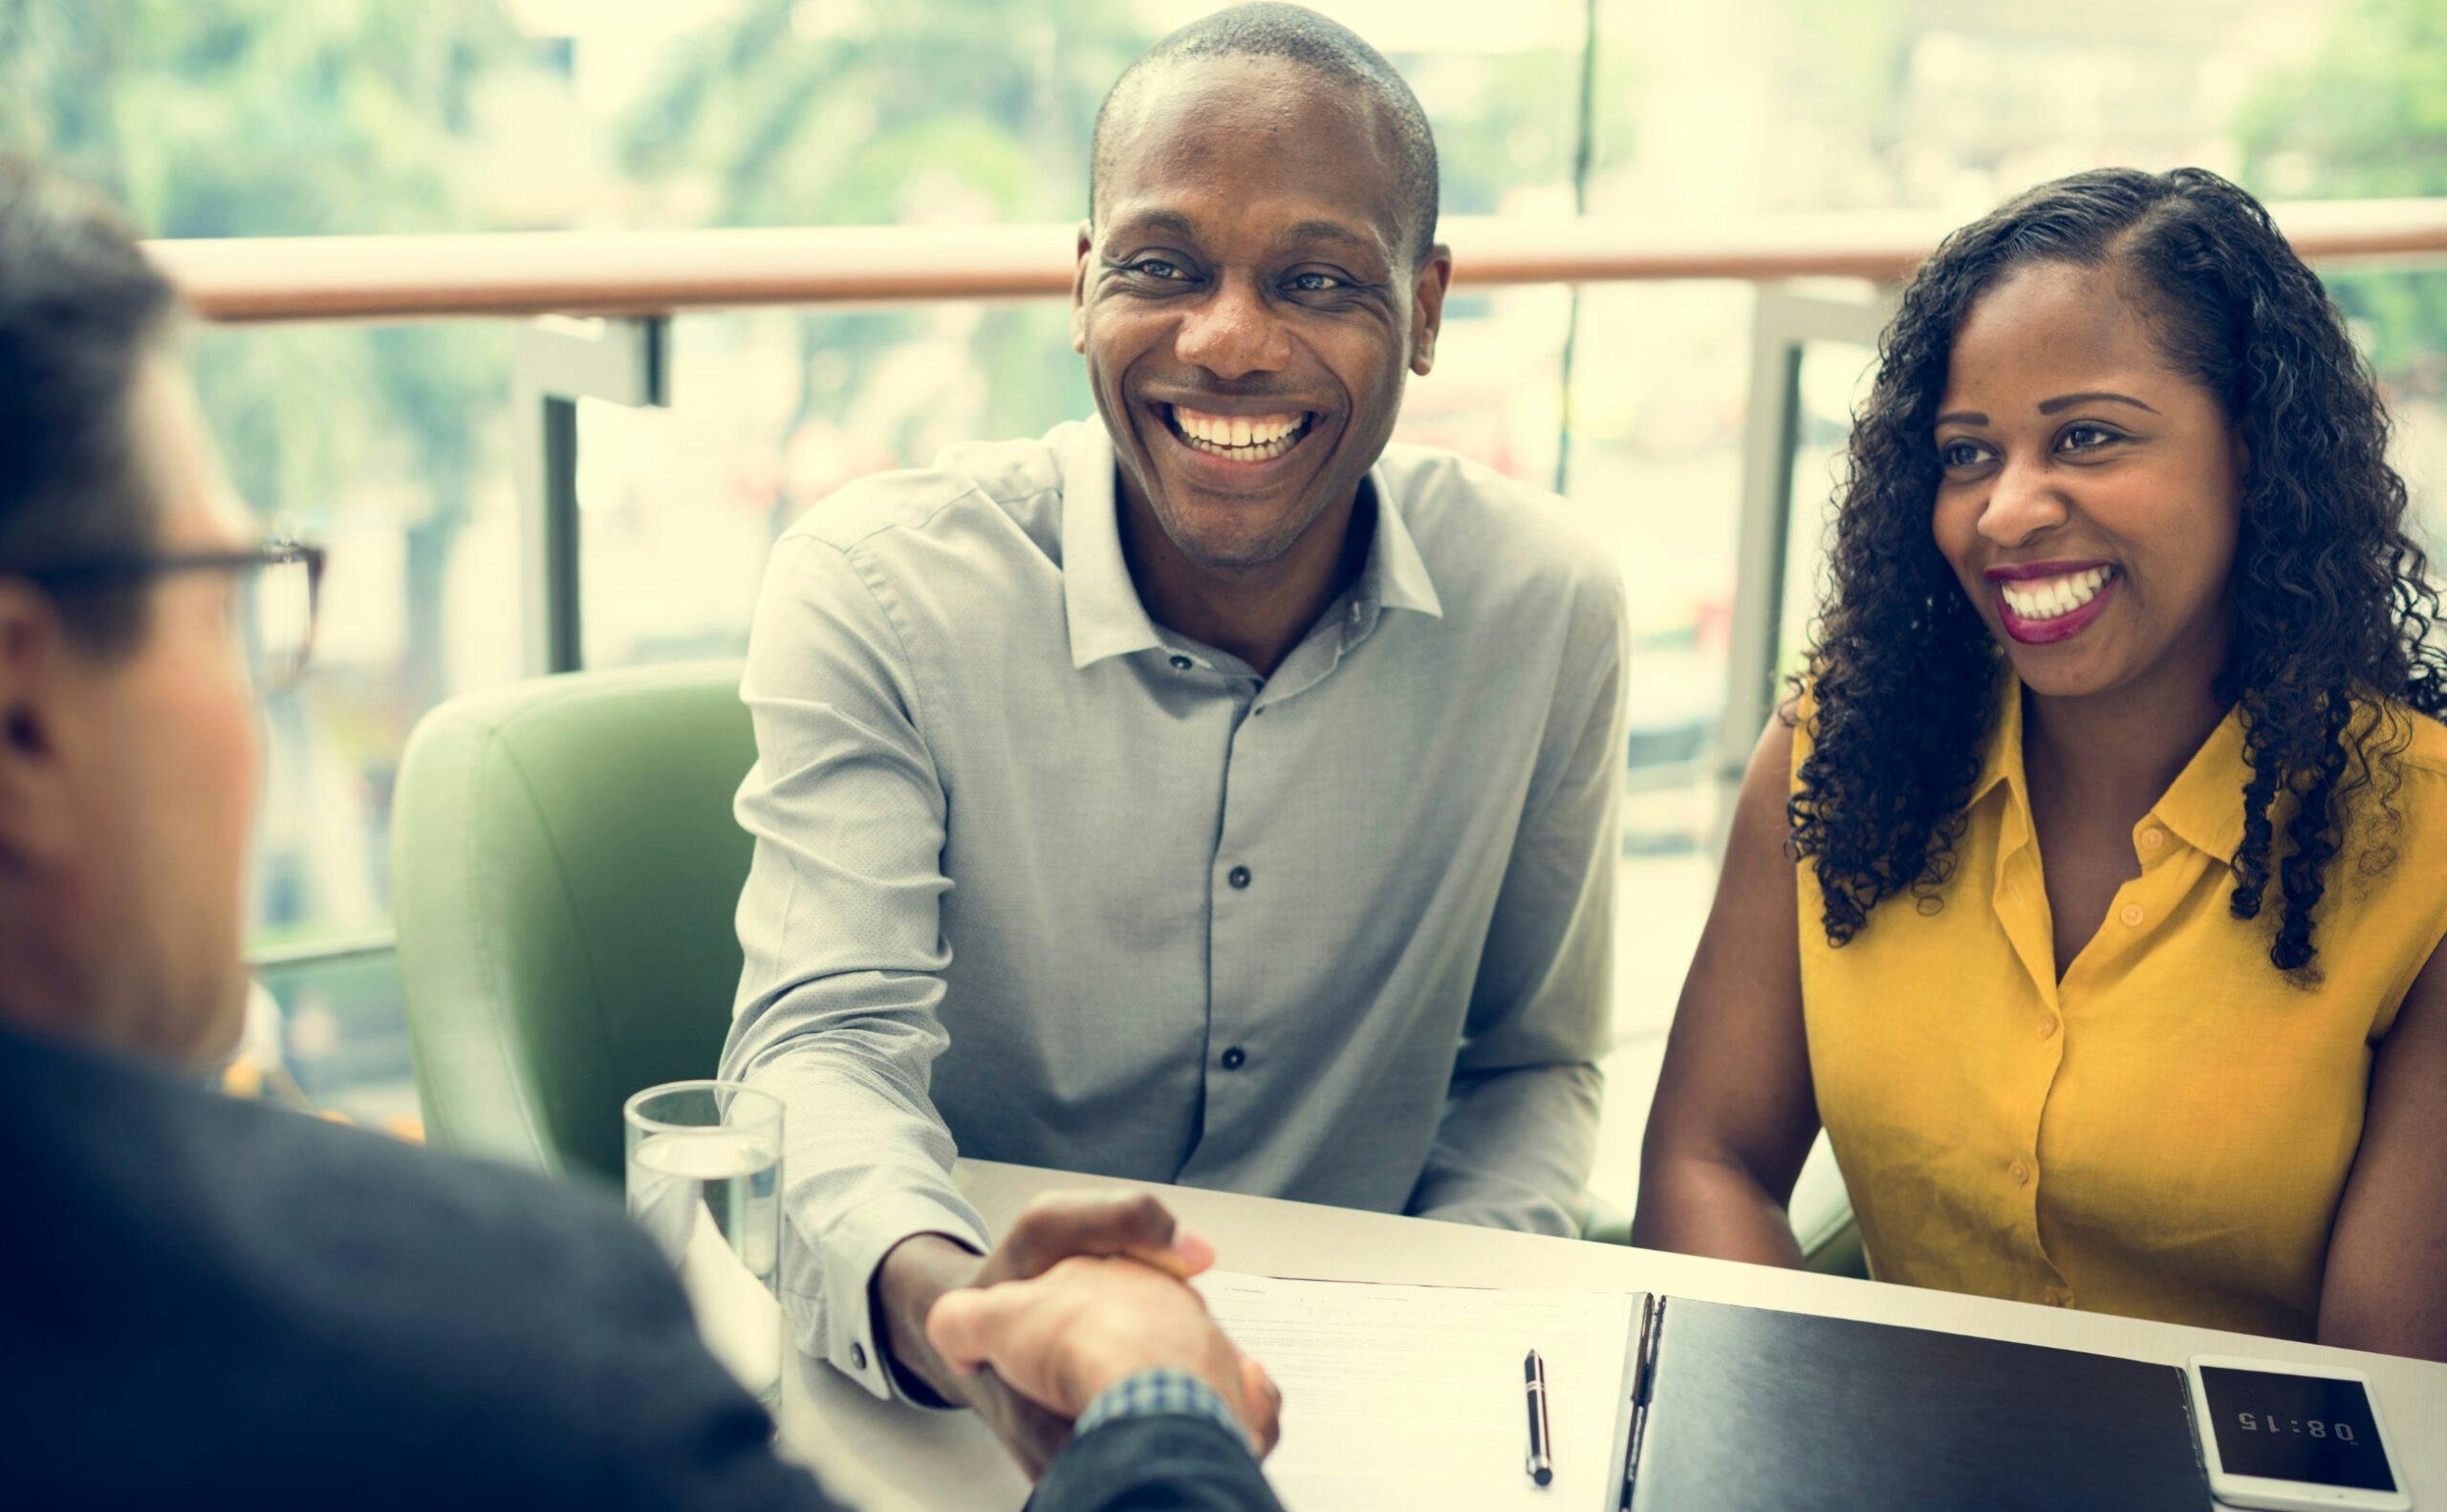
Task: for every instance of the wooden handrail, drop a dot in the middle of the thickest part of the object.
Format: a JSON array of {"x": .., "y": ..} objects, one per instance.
[{"x": 639, "y": 273}]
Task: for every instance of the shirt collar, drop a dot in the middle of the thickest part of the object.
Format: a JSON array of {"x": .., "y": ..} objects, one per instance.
[
  {"x": 2002, "y": 761},
  {"x": 1105, "y": 615},
  {"x": 2204, "y": 805},
  {"x": 1395, "y": 575}
]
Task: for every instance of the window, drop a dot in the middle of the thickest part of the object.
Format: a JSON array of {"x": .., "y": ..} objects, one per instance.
[{"x": 394, "y": 441}]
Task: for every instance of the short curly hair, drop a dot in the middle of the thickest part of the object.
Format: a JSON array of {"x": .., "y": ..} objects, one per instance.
[{"x": 2333, "y": 600}]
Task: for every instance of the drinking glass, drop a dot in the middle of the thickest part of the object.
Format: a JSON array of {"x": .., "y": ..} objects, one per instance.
[{"x": 705, "y": 1182}]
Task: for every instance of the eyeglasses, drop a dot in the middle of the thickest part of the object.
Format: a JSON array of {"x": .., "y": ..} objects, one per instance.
[{"x": 280, "y": 585}]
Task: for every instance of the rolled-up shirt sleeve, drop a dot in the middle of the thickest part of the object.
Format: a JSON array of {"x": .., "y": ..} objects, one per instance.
[
  {"x": 1520, "y": 1127},
  {"x": 840, "y": 930}
]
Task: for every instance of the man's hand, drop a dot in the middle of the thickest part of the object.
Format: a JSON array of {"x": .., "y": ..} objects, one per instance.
[
  {"x": 1088, "y": 1324},
  {"x": 1054, "y": 1227}
]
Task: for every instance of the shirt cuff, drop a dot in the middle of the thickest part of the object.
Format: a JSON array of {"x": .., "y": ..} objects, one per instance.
[
  {"x": 840, "y": 1323},
  {"x": 1161, "y": 1393}
]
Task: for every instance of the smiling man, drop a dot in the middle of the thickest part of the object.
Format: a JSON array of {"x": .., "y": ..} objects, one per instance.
[{"x": 1216, "y": 794}]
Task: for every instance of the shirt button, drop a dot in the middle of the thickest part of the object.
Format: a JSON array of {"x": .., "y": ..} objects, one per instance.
[
  {"x": 2020, "y": 1172},
  {"x": 1235, "y": 1058},
  {"x": 2152, "y": 839},
  {"x": 2053, "y": 1297},
  {"x": 1180, "y": 663},
  {"x": 1238, "y": 877},
  {"x": 858, "y": 1356},
  {"x": 2132, "y": 915},
  {"x": 2048, "y": 1028}
]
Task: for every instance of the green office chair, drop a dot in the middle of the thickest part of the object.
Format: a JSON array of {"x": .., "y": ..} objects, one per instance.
[{"x": 566, "y": 870}]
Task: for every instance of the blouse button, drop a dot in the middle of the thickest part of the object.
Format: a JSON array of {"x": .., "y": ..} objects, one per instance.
[
  {"x": 2132, "y": 915},
  {"x": 2152, "y": 839},
  {"x": 2020, "y": 1172}
]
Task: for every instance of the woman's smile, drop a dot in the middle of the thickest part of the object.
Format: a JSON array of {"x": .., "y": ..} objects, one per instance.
[{"x": 2049, "y": 602}]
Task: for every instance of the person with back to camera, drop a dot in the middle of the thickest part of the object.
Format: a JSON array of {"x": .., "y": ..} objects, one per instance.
[{"x": 2090, "y": 891}]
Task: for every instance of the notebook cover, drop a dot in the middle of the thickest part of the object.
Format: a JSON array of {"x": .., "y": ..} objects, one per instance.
[{"x": 1784, "y": 1412}]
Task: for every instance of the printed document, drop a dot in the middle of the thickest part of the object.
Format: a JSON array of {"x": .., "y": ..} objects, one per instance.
[{"x": 1411, "y": 1397}]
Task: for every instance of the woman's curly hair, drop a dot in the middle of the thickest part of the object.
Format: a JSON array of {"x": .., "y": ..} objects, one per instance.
[{"x": 2333, "y": 604}]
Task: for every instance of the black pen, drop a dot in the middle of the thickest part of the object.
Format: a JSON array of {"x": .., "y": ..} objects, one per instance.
[{"x": 1534, "y": 1375}]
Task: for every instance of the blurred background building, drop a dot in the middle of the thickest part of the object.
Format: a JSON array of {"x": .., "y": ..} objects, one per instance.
[{"x": 261, "y": 118}]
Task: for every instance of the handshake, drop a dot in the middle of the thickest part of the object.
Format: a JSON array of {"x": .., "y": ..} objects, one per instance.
[{"x": 1085, "y": 1290}]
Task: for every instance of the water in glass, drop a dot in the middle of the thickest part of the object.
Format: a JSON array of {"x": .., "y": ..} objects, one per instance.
[{"x": 704, "y": 1181}]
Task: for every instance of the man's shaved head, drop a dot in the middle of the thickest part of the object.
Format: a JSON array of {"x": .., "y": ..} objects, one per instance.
[{"x": 1295, "y": 35}]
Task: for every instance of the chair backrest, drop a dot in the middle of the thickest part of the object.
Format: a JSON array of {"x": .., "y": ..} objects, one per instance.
[{"x": 566, "y": 871}]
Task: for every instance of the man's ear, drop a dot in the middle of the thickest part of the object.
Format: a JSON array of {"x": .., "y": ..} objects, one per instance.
[
  {"x": 1079, "y": 287},
  {"x": 1427, "y": 306},
  {"x": 34, "y": 810}
]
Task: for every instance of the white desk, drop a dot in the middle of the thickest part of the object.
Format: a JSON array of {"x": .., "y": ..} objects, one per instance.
[{"x": 890, "y": 1455}]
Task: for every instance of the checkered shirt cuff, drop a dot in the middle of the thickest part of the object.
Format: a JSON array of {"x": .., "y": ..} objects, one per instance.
[{"x": 1155, "y": 1393}]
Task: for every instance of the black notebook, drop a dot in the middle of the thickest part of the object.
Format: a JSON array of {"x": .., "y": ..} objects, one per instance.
[{"x": 1740, "y": 1409}]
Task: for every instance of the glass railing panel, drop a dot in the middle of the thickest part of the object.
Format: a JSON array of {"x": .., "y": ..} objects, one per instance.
[
  {"x": 1661, "y": 383},
  {"x": 1834, "y": 380},
  {"x": 389, "y": 443},
  {"x": 344, "y": 1035},
  {"x": 771, "y": 413}
]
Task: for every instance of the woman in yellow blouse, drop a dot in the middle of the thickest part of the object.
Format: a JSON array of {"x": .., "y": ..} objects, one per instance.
[{"x": 2091, "y": 889}]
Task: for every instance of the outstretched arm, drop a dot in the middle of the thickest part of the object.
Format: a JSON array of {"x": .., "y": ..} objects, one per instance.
[{"x": 840, "y": 928}]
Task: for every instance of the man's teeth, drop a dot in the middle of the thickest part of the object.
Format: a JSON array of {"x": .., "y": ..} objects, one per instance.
[
  {"x": 2048, "y": 598},
  {"x": 1248, "y": 437}
]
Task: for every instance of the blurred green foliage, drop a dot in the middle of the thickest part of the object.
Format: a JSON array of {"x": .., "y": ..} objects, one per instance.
[
  {"x": 269, "y": 117},
  {"x": 279, "y": 118},
  {"x": 2365, "y": 116},
  {"x": 854, "y": 114},
  {"x": 873, "y": 113}
]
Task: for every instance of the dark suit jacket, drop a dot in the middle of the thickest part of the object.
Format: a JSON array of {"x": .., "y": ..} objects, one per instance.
[{"x": 205, "y": 1302}]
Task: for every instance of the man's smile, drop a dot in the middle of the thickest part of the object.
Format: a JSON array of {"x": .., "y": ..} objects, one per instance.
[
  {"x": 1243, "y": 438},
  {"x": 1237, "y": 452}
]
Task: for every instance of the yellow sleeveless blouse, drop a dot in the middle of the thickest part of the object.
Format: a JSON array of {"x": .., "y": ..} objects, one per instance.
[{"x": 2167, "y": 1132}]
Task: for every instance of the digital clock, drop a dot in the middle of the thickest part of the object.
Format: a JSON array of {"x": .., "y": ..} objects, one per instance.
[
  {"x": 2269, "y": 1423},
  {"x": 2284, "y": 1436}
]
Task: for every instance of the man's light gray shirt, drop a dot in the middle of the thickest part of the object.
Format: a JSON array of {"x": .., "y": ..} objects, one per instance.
[{"x": 1040, "y": 880}]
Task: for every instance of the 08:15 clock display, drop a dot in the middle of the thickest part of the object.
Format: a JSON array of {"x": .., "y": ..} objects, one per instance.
[{"x": 2254, "y": 1423}]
